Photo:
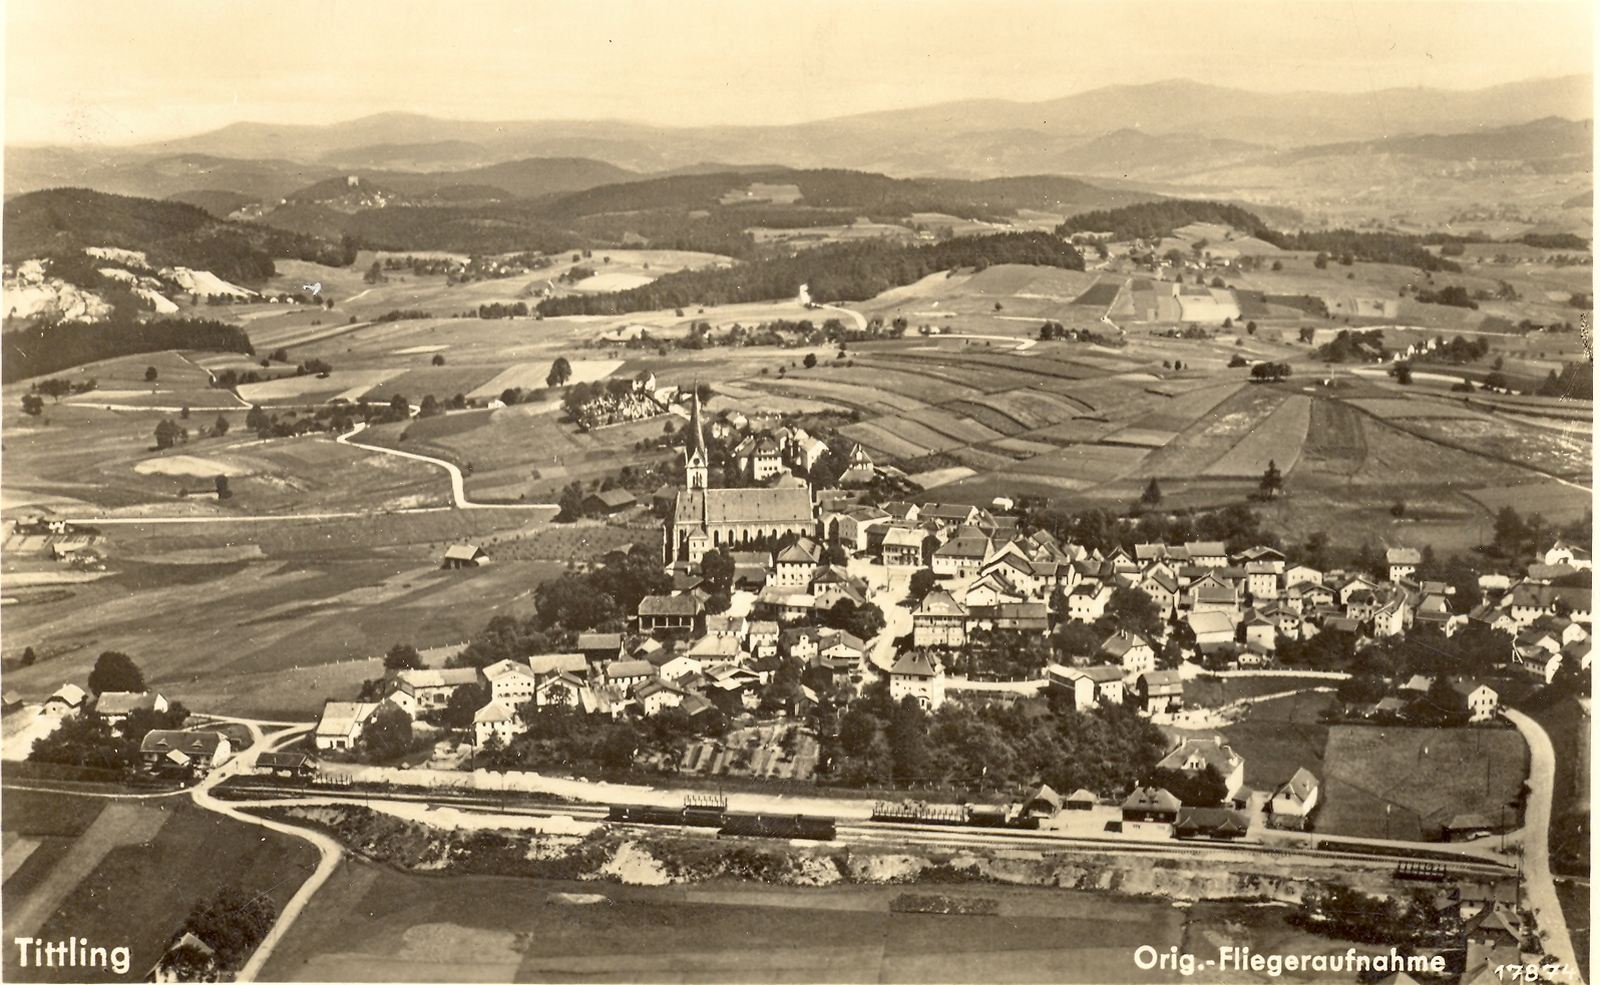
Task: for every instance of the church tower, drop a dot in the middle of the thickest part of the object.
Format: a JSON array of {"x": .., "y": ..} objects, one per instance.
[{"x": 696, "y": 462}]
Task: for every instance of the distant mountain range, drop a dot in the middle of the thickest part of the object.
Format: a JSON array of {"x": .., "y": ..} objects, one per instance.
[{"x": 1524, "y": 145}]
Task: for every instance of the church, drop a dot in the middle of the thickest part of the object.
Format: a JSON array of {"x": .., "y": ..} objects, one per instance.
[{"x": 704, "y": 519}]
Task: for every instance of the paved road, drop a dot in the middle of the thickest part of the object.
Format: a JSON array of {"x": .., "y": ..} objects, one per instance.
[{"x": 1536, "y": 841}]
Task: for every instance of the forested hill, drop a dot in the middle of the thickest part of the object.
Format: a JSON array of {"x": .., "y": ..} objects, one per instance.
[
  {"x": 865, "y": 193},
  {"x": 841, "y": 272},
  {"x": 1153, "y": 221},
  {"x": 61, "y": 220}
]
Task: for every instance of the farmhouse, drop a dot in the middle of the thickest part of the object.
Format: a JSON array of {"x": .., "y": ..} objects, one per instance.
[
  {"x": 609, "y": 502},
  {"x": 67, "y": 699},
  {"x": 902, "y": 546},
  {"x": 419, "y": 691},
  {"x": 200, "y": 751},
  {"x": 704, "y": 518},
  {"x": 341, "y": 723},
  {"x": 1151, "y": 805},
  {"x": 116, "y": 706},
  {"x": 1132, "y": 652},
  {"x": 1159, "y": 691},
  {"x": 1402, "y": 562},
  {"x": 497, "y": 721}
]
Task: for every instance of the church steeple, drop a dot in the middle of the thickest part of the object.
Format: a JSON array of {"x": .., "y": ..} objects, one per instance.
[{"x": 696, "y": 461}]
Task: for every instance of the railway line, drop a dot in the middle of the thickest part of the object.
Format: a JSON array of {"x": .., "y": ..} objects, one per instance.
[{"x": 712, "y": 823}]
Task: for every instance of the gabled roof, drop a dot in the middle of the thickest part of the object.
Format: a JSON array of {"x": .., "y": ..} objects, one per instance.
[
  {"x": 492, "y": 712},
  {"x": 506, "y": 669},
  {"x": 1205, "y": 548},
  {"x": 341, "y": 718},
  {"x": 1120, "y": 642},
  {"x": 785, "y": 504},
  {"x": 124, "y": 702},
  {"x": 940, "y": 602},
  {"x": 544, "y": 664},
  {"x": 914, "y": 663},
  {"x": 70, "y": 694},
  {"x": 599, "y": 641},
  {"x": 462, "y": 552},
  {"x": 1210, "y": 622},
  {"x": 1300, "y": 786},
  {"x": 620, "y": 669},
  {"x": 1151, "y": 799},
  {"x": 1403, "y": 555},
  {"x": 670, "y": 605},
  {"x": 1211, "y": 751},
  {"x": 191, "y": 744}
]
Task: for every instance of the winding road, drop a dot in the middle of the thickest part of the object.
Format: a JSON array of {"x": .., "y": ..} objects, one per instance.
[
  {"x": 1541, "y": 887},
  {"x": 458, "y": 487}
]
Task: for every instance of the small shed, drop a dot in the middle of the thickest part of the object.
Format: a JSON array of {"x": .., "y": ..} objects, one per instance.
[
  {"x": 1043, "y": 802},
  {"x": 464, "y": 556},
  {"x": 1082, "y": 799}
]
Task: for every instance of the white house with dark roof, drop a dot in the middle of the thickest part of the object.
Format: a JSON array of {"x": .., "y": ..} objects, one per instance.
[
  {"x": 918, "y": 675},
  {"x": 1089, "y": 686},
  {"x": 116, "y": 706},
  {"x": 511, "y": 682},
  {"x": 1402, "y": 562},
  {"x": 1192, "y": 756},
  {"x": 341, "y": 723},
  {"x": 1131, "y": 652},
  {"x": 1297, "y": 798},
  {"x": 199, "y": 750}
]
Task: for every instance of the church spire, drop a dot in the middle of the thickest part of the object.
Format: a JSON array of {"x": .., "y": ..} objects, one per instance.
[{"x": 696, "y": 460}]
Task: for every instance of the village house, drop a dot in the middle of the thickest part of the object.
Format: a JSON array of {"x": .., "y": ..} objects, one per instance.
[
  {"x": 1573, "y": 555},
  {"x": 800, "y": 643},
  {"x": 1293, "y": 802},
  {"x": 1159, "y": 692},
  {"x": 196, "y": 751},
  {"x": 341, "y": 723},
  {"x": 116, "y": 706},
  {"x": 1150, "y": 805},
  {"x": 1130, "y": 651},
  {"x": 1206, "y": 553},
  {"x": 1211, "y": 629},
  {"x": 902, "y": 546},
  {"x": 1088, "y": 686},
  {"x": 1402, "y": 562},
  {"x": 1192, "y": 756},
  {"x": 762, "y": 638},
  {"x": 962, "y": 555},
  {"x": 1087, "y": 602},
  {"x": 1482, "y": 700},
  {"x": 417, "y": 692},
  {"x": 658, "y": 613},
  {"x": 68, "y": 699},
  {"x": 495, "y": 720},
  {"x": 796, "y": 564},
  {"x": 918, "y": 675},
  {"x": 626, "y": 674},
  {"x": 511, "y": 683},
  {"x": 838, "y": 650},
  {"x": 940, "y": 621},
  {"x": 597, "y": 648}
]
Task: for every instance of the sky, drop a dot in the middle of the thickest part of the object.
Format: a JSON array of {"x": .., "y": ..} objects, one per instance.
[{"x": 109, "y": 71}]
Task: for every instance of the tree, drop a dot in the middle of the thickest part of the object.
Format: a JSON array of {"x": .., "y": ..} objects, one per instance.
[
  {"x": 233, "y": 923},
  {"x": 464, "y": 704},
  {"x": 1271, "y": 480},
  {"x": 374, "y": 274},
  {"x": 810, "y": 361},
  {"x": 430, "y": 407},
  {"x": 223, "y": 492},
  {"x": 387, "y": 734},
  {"x": 923, "y": 581},
  {"x": 1277, "y": 265},
  {"x": 115, "y": 671},
  {"x": 1152, "y": 493},
  {"x": 189, "y": 963},
  {"x": 29, "y": 658},
  {"x": 402, "y": 656},
  {"x": 438, "y": 359},
  {"x": 1401, "y": 373},
  {"x": 619, "y": 745},
  {"x": 864, "y": 621},
  {"x": 220, "y": 428},
  {"x": 32, "y": 405},
  {"x": 560, "y": 372},
  {"x": 908, "y": 742},
  {"x": 150, "y": 374},
  {"x": 1133, "y": 609},
  {"x": 1321, "y": 262},
  {"x": 717, "y": 568},
  {"x": 183, "y": 412},
  {"x": 166, "y": 433},
  {"x": 571, "y": 503},
  {"x": 1250, "y": 327},
  {"x": 257, "y": 419}
]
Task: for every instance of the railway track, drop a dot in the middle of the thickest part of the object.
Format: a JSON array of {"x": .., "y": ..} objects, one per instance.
[{"x": 878, "y": 833}]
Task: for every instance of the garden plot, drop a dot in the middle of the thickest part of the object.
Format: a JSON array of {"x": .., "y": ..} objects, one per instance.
[
  {"x": 755, "y": 401},
  {"x": 1022, "y": 447},
  {"x": 988, "y": 416},
  {"x": 443, "y": 382},
  {"x": 964, "y": 376},
  {"x": 1090, "y": 463},
  {"x": 910, "y": 382},
  {"x": 985, "y": 461},
  {"x": 1139, "y": 437},
  {"x": 917, "y": 433},
  {"x": 963, "y": 429},
  {"x": 942, "y": 477},
  {"x": 1394, "y": 408},
  {"x": 1553, "y": 500},
  {"x": 1209, "y": 439},
  {"x": 1548, "y": 451},
  {"x": 1083, "y": 430},
  {"x": 196, "y": 466},
  {"x": 1181, "y": 411},
  {"x": 874, "y": 436},
  {"x": 847, "y": 394},
  {"x": 1279, "y": 439},
  {"x": 532, "y": 376}
]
